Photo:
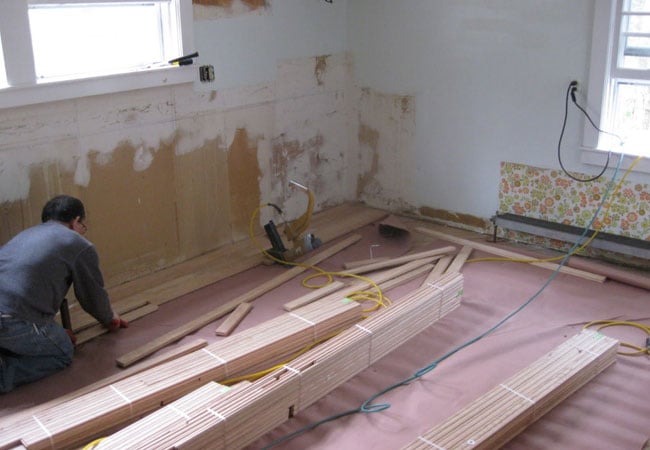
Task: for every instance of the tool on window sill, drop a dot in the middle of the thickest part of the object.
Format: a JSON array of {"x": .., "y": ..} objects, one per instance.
[{"x": 185, "y": 60}]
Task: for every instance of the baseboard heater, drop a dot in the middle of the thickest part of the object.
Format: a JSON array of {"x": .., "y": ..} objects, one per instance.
[{"x": 569, "y": 233}]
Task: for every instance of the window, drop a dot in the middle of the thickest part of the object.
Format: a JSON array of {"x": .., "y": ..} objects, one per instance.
[
  {"x": 63, "y": 47},
  {"x": 620, "y": 77}
]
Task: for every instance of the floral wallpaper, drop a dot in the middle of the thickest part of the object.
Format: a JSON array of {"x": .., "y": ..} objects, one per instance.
[{"x": 549, "y": 194}]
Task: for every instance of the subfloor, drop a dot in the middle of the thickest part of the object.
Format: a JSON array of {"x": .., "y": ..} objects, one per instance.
[{"x": 610, "y": 412}]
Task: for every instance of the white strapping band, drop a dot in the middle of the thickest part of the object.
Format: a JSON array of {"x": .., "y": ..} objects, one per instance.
[
  {"x": 361, "y": 327},
  {"x": 292, "y": 369},
  {"x": 313, "y": 325},
  {"x": 124, "y": 397},
  {"x": 426, "y": 441},
  {"x": 218, "y": 358},
  {"x": 179, "y": 412},
  {"x": 302, "y": 318},
  {"x": 435, "y": 286},
  {"x": 517, "y": 393},
  {"x": 580, "y": 349},
  {"x": 49, "y": 435},
  {"x": 216, "y": 414}
]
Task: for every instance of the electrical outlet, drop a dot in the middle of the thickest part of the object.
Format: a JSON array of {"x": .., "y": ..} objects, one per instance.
[
  {"x": 576, "y": 84},
  {"x": 206, "y": 73},
  {"x": 574, "y": 87}
]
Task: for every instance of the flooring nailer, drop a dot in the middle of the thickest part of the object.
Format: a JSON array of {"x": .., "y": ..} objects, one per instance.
[{"x": 299, "y": 241}]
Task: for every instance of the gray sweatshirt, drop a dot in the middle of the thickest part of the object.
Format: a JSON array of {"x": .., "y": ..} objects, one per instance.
[{"x": 37, "y": 268}]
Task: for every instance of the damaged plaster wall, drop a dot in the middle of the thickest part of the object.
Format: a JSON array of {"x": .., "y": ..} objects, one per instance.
[
  {"x": 386, "y": 138},
  {"x": 172, "y": 172},
  {"x": 488, "y": 81}
]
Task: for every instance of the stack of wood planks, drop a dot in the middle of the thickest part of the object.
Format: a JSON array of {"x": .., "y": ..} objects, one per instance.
[
  {"x": 75, "y": 421},
  {"x": 234, "y": 419},
  {"x": 499, "y": 415}
]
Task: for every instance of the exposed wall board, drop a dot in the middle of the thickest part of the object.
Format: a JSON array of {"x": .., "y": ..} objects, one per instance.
[
  {"x": 243, "y": 176},
  {"x": 11, "y": 219},
  {"x": 140, "y": 205},
  {"x": 202, "y": 199}
]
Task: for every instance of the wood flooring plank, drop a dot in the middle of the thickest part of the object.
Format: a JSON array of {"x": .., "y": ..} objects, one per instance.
[
  {"x": 233, "y": 319},
  {"x": 509, "y": 254},
  {"x": 209, "y": 317},
  {"x": 97, "y": 330},
  {"x": 392, "y": 262}
]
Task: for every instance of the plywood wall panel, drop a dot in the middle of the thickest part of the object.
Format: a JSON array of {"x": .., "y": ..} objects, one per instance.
[
  {"x": 140, "y": 205},
  {"x": 202, "y": 199},
  {"x": 11, "y": 219},
  {"x": 243, "y": 175}
]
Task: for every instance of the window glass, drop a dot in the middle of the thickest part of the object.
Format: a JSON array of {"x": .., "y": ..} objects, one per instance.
[
  {"x": 636, "y": 6},
  {"x": 626, "y": 108},
  {"x": 632, "y": 116},
  {"x": 3, "y": 71},
  {"x": 86, "y": 39}
]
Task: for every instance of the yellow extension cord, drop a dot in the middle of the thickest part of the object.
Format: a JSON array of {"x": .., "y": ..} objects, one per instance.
[
  {"x": 375, "y": 296},
  {"x": 639, "y": 350},
  {"x": 382, "y": 301}
]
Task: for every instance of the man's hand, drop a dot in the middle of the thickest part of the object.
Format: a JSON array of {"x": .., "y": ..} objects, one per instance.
[
  {"x": 117, "y": 323},
  {"x": 72, "y": 337}
]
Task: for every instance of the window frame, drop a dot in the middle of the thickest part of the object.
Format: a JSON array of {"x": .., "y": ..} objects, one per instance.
[
  {"x": 599, "y": 96},
  {"x": 25, "y": 89}
]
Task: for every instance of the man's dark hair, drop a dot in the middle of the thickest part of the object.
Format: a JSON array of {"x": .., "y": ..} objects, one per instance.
[{"x": 63, "y": 208}]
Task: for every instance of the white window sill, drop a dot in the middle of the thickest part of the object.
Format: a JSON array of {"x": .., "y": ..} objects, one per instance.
[
  {"x": 15, "y": 96},
  {"x": 599, "y": 158}
]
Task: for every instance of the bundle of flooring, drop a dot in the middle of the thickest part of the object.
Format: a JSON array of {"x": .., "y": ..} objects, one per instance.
[
  {"x": 498, "y": 416},
  {"x": 74, "y": 422},
  {"x": 231, "y": 420}
]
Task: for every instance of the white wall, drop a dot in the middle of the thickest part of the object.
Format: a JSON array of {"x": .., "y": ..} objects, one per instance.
[
  {"x": 489, "y": 79},
  {"x": 244, "y": 48}
]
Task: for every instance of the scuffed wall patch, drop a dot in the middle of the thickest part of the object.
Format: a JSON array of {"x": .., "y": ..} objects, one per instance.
[
  {"x": 300, "y": 161},
  {"x": 319, "y": 68},
  {"x": 221, "y": 9},
  {"x": 386, "y": 138},
  {"x": 82, "y": 171},
  {"x": 251, "y": 4},
  {"x": 142, "y": 159}
]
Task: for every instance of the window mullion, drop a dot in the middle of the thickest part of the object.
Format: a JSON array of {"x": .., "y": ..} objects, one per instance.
[{"x": 17, "y": 43}]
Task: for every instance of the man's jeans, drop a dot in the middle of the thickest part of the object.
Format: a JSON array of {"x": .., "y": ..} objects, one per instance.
[{"x": 30, "y": 351}]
